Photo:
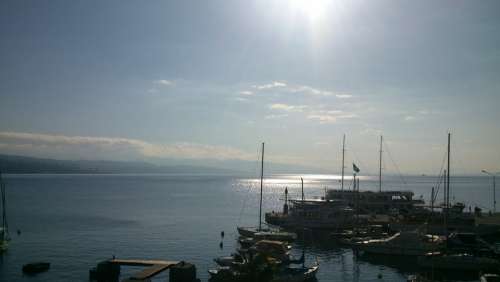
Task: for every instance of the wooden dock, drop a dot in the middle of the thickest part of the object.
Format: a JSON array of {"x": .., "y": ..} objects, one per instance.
[{"x": 154, "y": 267}]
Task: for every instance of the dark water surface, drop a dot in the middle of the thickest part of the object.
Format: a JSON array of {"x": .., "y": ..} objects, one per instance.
[{"x": 74, "y": 221}]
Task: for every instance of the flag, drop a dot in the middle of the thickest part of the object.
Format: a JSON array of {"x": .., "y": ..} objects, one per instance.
[{"x": 355, "y": 168}]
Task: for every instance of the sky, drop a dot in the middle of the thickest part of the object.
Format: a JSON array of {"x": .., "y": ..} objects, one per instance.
[{"x": 199, "y": 81}]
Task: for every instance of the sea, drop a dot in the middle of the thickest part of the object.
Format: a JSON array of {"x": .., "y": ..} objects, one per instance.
[{"x": 75, "y": 221}]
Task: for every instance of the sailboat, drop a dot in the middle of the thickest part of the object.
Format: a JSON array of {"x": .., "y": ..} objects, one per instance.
[
  {"x": 264, "y": 233},
  {"x": 298, "y": 273},
  {"x": 4, "y": 230}
]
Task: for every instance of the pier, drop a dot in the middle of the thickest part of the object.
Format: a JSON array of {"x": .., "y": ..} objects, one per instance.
[
  {"x": 154, "y": 267},
  {"x": 109, "y": 270}
]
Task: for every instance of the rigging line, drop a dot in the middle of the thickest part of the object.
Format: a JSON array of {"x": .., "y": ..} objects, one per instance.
[
  {"x": 394, "y": 163},
  {"x": 439, "y": 180}
]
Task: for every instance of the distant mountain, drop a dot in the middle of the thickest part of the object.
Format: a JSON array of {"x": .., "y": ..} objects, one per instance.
[{"x": 21, "y": 164}]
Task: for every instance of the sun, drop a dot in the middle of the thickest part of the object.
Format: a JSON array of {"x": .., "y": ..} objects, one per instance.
[{"x": 313, "y": 9}]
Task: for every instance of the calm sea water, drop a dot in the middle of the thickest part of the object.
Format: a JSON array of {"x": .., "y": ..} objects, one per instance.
[{"x": 74, "y": 221}]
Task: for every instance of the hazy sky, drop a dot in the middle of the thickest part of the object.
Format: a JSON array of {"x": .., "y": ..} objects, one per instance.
[{"x": 152, "y": 80}]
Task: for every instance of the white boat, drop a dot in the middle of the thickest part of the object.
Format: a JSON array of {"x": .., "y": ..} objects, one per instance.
[
  {"x": 490, "y": 278},
  {"x": 412, "y": 243},
  {"x": 4, "y": 229},
  {"x": 296, "y": 274}
]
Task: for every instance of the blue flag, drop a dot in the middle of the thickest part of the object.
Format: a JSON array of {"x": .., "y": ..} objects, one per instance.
[{"x": 355, "y": 168}]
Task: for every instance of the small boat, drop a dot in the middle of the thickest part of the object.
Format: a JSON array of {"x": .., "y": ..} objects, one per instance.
[
  {"x": 246, "y": 242},
  {"x": 296, "y": 274},
  {"x": 490, "y": 278},
  {"x": 229, "y": 260},
  {"x": 411, "y": 243},
  {"x": 276, "y": 236},
  {"x": 36, "y": 267},
  {"x": 274, "y": 249}
]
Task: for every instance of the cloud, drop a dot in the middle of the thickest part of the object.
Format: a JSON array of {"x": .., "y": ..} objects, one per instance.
[
  {"x": 417, "y": 116},
  {"x": 343, "y": 96},
  {"x": 297, "y": 88},
  {"x": 181, "y": 150},
  {"x": 271, "y": 85},
  {"x": 323, "y": 118},
  {"x": 310, "y": 90},
  {"x": 287, "y": 108},
  {"x": 246, "y": 93},
  {"x": 241, "y": 99},
  {"x": 276, "y": 116},
  {"x": 331, "y": 116},
  {"x": 164, "y": 82}
]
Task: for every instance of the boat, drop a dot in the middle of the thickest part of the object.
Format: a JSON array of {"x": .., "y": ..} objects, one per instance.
[
  {"x": 375, "y": 202},
  {"x": 296, "y": 274},
  {"x": 360, "y": 233},
  {"x": 412, "y": 243},
  {"x": 230, "y": 260},
  {"x": 36, "y": 267},
  {"x": 4, "y": 229},
  {"x": 458, "y": 261},
  {"x": 265, "y": 233},
  {"x": 489, "y": 277},
  {"x": 341, "y": 208}
]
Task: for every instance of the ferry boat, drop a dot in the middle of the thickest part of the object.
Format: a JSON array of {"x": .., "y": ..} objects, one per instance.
[{"x": 313, "y": 214}]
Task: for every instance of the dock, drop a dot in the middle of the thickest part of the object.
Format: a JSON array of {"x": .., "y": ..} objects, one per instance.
[
  {"x": 109, "y": 270},
  {"x": 154, "y": 267}
]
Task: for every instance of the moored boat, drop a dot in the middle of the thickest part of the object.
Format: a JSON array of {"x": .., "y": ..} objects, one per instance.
[
  {"x": 458, "y": 261},
  {"x": 296, "y": 274},
  {"x": 411, "y": 243}
]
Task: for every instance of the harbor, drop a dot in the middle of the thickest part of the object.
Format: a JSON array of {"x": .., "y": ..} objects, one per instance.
[{"x": 173, "y": 231}]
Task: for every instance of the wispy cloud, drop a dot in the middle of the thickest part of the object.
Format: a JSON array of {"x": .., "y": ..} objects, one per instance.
[
  {"x": 417, "y": 115},
  {"x": 274, "y": 84},
  {"x": 410, "y": 118},
  {"x": 330, "y": 116},
  {"x": 298, "y": 88},
  {"x": 276, "y": 116},
  {"x": 310, "y": 90},
  {"x": 287, "y": 108},
  {"x": 182, "y": 150},
  {"x": 164, "y": 82},
  {"x": 246, "y": 93},
  {"x": 241, "y": 99},
  {"x": 312, "y": 113},
  {"x": 343, "y": 96}
]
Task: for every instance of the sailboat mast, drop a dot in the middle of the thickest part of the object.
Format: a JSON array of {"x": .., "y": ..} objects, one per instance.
[
  {"x": 302, "y": 188},
  {"x": 4, "y": 216},
  {"x": 380, "y": 167},
  {"x": 343, "y": 154},
  {"x": 261, "y": 183},
  {"x": 448, "y": 174}
]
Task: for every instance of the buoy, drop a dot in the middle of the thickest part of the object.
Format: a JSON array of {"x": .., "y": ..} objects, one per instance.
[
  {"x": 18, "y": 232},
  {"x": 379, "y": 276},
  {"x": 222, "y": 234},
  {"x": 221, "y": 245}
]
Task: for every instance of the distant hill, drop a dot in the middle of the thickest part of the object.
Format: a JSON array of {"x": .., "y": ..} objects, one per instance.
[{"x": 20, "y": 164}]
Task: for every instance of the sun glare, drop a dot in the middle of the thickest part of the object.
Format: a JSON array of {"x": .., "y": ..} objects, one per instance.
[{"x": 313, "y": 9}]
